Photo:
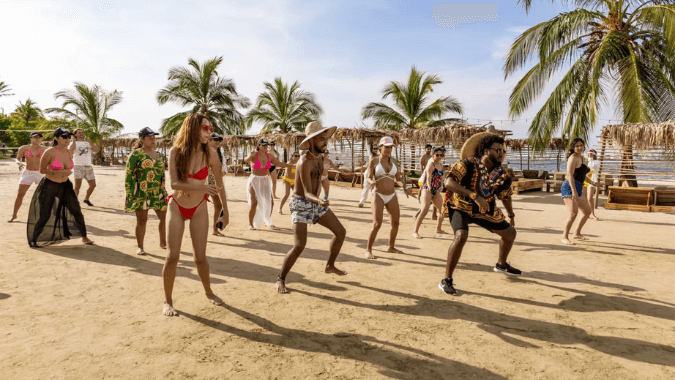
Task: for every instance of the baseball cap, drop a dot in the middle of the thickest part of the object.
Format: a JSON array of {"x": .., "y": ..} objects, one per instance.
[
  {"x": 62, "y": 132},
  {"x": 215, "y": 136},
  {"x": 33, "y": 134},
  {"x": 387, "y": 141},
  {"x": 145, "y": 132}
]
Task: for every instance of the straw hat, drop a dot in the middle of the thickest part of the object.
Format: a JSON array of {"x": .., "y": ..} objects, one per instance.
[
  {"x": 469, "y": 147},
  {"x": 314, "y": 129}
]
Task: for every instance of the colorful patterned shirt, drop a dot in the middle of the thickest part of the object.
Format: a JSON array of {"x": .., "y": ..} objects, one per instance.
[
  {"x": 145, "y": 182},
  {"x": 472, "y": 175}
]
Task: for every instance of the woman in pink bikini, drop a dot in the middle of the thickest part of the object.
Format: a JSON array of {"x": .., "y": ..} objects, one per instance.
[
  {"x": 190, "y": 161},
  {"x": 259, "y": 185},
  {"x": 31, "y": 174},
  {"x": 55, "y": 213}
]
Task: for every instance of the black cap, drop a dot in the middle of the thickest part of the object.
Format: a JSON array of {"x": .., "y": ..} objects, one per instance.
[
  {"x": 33, "y": 134},
  {"x": 428, "y": 146},
  {"x": 62, "y": 132},
  {"x": 272, "y": 143},
  {"x": 216, "y": 137},
  {"x": 145, "y": 132},
  {"x": 263, "y": 142}
]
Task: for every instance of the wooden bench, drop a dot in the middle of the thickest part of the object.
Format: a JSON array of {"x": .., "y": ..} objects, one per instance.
[
  {"x": 526, "y": 184},
  {"x": 664, "y": 199},
  {"x": 630, "y": 198}
]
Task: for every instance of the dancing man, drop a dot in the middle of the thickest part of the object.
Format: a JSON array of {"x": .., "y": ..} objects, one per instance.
[
  {"x": 82, "y": 150},
  {"x": 144, "y": 187},
  {"x": 31, "y": 174},
  {"x": 475, "y": 182},
  {"x": 306, "y": 206},
  {"x": 189, "y": 163}
]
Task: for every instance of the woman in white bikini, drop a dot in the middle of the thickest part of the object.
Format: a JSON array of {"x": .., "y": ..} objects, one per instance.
[
  {"x": 383, "y": 174},
  {"x": 31, "y": 173}
]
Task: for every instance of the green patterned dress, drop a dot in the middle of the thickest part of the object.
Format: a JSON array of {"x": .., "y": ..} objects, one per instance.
[{"x": 144, "y": 182}]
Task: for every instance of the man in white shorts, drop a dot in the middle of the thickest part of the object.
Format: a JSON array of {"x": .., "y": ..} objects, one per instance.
[{"x": 82, "y": 150}]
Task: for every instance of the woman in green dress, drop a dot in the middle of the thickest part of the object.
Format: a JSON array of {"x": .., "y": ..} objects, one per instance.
[{"x": 144, "y": 186}]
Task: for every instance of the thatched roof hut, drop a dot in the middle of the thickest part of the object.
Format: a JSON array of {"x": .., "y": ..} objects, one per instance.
[
  {"x": 641, "y": 136},
  {"x": 456, "y": 134},
  {"x": 555, "y": 143}
]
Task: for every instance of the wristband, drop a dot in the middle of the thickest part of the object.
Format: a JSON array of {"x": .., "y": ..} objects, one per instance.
[
  {"x": 473, "y": 196},
  {"x": 512, "y": 215},
  {"x": 52, "y": 171}
]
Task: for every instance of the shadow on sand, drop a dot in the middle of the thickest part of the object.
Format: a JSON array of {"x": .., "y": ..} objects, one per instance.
[{"x": 4, "y": 296}]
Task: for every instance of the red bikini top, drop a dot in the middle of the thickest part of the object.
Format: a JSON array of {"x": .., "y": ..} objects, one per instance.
[{"x": 202, "y": 174}]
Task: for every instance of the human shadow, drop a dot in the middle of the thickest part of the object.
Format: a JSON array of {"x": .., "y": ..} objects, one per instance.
[
  {"x": 108, "y": 256},
  {"x": 110, "y": 210},
  {"x": 592, "y": 302},
  {"x": 498, "y": 324},
  {"x": 392, "y": 360},
  {"x": 4, "y": 296},
  {"x": 95, "y": 231}
]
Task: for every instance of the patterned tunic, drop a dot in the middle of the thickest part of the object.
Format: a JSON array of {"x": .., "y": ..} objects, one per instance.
[
  {"x": 144, "y": 184},
  {"x": 472, "y": 175}
]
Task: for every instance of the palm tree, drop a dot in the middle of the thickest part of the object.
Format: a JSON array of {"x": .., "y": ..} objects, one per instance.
[
  {"x": 284, "y": 109},
  {"x": 4, "y": 89},
  {"x": 410, "y": 99},
  {"x": 27, "y": 112},
  {"x": 606, "y": 46},
  {"x": 200, "y": 87},
  {"x": 90, "y": 109}
]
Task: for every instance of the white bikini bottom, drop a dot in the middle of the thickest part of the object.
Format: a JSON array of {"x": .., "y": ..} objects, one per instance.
[{"x": 387, "y": 198}]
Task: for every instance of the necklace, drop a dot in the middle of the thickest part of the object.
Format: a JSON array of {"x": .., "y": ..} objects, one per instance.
[
  {"x": 313, "y": 155},
  {"x": 488, "y": 181}
]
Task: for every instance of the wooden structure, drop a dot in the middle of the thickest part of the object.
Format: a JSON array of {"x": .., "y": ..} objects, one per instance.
[{"x": 524, "y": 184}]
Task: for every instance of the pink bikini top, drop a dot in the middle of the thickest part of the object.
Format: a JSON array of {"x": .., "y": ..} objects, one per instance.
[
  {"x": 256, "y": 164},
  {"x": 29, "y": 154},
  {"x": 56, "y": 165}
]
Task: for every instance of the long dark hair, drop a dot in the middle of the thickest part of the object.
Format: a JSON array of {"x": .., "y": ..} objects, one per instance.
[
  {"x": 187, "y": 144},
  {"x": 570, "y": 148},
  {"x": 220, "y": 155}
]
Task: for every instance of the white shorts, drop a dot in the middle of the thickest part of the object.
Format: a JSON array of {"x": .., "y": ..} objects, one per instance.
[
  {"x": 29, "y": 177},
  {"x": 86, "y": 172}
]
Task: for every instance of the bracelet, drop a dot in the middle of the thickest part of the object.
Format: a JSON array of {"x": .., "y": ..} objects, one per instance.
[
  {"x": 512, "y": 215},
  {"x": 473, "y": 196},
  {"x": 52, "y": 171}
]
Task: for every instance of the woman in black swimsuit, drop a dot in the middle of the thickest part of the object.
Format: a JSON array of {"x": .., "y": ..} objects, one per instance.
[{"x": 572, "y": 190}]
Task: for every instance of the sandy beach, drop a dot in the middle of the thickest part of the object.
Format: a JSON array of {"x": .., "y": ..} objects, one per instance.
[{"x": 603, "y": 309}]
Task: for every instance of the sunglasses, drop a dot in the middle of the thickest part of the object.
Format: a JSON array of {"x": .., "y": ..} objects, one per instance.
[
  {"x": 208, "y": 128},
  {"x": 439, "y": 155},
  {"x": 296, "y": 156},
  {"x": 498, "y": 150}
]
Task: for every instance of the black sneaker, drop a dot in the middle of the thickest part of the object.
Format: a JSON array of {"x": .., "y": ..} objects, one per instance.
[
  {"x": 446, "y": 286},
  {"x": 86, "y": 201},
  {"x": 507, "y": 269}
]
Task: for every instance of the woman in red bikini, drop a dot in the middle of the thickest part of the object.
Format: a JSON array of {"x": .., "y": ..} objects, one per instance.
[
  {"x": 55, "y": 213},
  {"x": 31, "y": 174},
  {"x": 188, "y": 170}
]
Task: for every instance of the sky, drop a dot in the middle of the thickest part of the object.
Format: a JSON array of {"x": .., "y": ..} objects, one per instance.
[{"x": 344, "y": 52}]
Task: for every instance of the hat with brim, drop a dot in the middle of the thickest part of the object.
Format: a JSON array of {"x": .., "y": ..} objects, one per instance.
[
  {"x": 470, "y": 145},
  {"x": 62, "y": 132},
  {"x": 35, "y": 134},
  {"x": 387, "y": 141},
  {"x": 145, "y": 132},
  {"x": 314, "y": 129}
]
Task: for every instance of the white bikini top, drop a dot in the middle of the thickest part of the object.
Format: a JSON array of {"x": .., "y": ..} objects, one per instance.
[{"x": 379, "y": 172}]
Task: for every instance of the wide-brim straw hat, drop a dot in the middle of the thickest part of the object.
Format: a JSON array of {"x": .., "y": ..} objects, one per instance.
[
  {"x": 470, "y": 145},
  {"x": 314, "y": 129}
]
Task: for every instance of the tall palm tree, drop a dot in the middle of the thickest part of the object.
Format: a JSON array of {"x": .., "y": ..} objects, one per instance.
[
  {"x": 90, "y": 107},
  {"x": 411, "y": 100},
  {"x": 605, "y": 46},
  {"x": 27, "y": 112},
  {"x": 4, "y": 89},
  {"x": 284, "y": 109},
  {"x": 199, "y": 87}
]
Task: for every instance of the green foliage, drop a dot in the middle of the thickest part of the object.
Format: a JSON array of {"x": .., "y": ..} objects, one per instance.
[
  {"x": 27, "y": 112},
  {"x": 606, "y": 46},
  {"x": 199, "y": 87},
  {"x": 409, "y": 109},
  {"x": 88, "y": 108},
  {"x": 284, "y": 109},
  {"x": 4, "y": 89}
]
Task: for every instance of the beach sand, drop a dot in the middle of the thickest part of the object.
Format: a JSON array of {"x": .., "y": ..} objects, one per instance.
[{"x": 603, "y": 309}]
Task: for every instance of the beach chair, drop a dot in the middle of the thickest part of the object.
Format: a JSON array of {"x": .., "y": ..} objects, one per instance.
[
  {"x": 664, "y": 199},
  {"x": 630, "y": 198}
]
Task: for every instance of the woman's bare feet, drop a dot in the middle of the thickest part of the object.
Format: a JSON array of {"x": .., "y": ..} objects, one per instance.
[
  {"x": 580, "y": 237},
  {"x": 416, "y": 235},
  {"x": 441, "y": 232},
  {"x": 332, "y": 269},
  {"x": 214, "y": 299},
  {"x": 162, "y": 245},
  {"x": 595, "y": 217},
  {"x": 281, "y": 286},
  {"x": 394, "y": 250},
  {"x": 217, "y": 233},
  {"x": 169, "y": 311},
  {"x": 140, "y": 251},
  {"x": 11, "y": 220},
  {"x": 87, "y": 241},
  {"x": 369, "y": 255},
  {"x": 250, "y": 227},
  {"x": 279, "y": 211},
  {"x": 567, "y": 241}
]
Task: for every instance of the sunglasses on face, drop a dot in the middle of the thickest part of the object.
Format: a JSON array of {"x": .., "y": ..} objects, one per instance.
[
  {"x": 208, "y": 128},
  {"x": 499, "y": 150},
  {"x": 296, "y": 156}
]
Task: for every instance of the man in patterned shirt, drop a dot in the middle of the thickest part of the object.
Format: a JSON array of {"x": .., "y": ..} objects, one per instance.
[{"x": 473, "y": 185}]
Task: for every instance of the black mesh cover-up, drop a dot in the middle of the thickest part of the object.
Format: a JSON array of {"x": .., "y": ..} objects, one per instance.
[{"x": 54, "y": 214}]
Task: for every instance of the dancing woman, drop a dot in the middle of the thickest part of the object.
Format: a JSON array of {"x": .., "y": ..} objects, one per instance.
[
  {"x": 383, "y": 174},
  {"x": 55, "y": 213},
  {"x": 271, "y": 149},
  {"x": 325, "y": 183},
  {"x": 594, "y": 166},
  {"x": 145, "y": 187},
  {"x": 189, "y": 163},
  {"x": 573, "y": 195},
  {"x": 289, "y": 179},
  {"x": 259, "y": 185},
  {"x": 431, "y": 190},
  {"x": 31, "y": 174},
  {"x": 214, "y": 144}
]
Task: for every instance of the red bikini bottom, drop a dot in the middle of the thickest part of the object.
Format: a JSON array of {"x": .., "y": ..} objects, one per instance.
[{"x": 187, "y": 212}]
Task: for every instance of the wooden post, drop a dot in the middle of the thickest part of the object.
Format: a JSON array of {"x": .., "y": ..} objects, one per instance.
[
  {"x": 528, "y": 156},
  {"x": 521, "y": 158},
  {"x": 602, "y": 161}
]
